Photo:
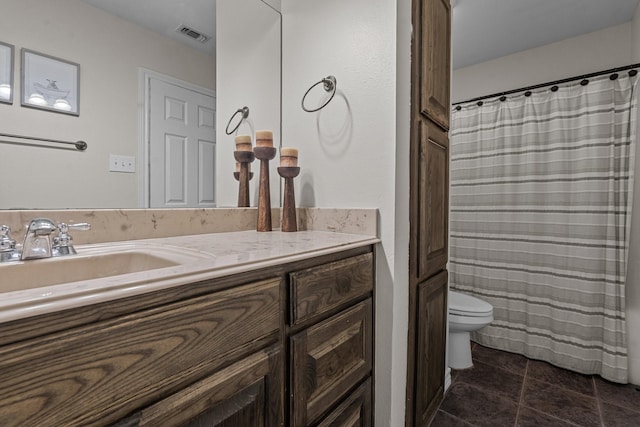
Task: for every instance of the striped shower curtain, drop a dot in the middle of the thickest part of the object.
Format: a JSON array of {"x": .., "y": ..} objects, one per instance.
[{"x": 541, "y": 202}]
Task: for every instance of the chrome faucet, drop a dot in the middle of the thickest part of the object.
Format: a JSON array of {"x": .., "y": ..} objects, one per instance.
[
  {"x": 8, "y": 251},
  {"x": 37, "y": 240}
]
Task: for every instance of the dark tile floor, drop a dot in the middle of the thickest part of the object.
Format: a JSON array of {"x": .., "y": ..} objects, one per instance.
[{"x": 506, "y": 389}]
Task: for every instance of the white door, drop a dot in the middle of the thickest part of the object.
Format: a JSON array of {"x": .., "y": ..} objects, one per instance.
[{"x": 182, "y": 146}]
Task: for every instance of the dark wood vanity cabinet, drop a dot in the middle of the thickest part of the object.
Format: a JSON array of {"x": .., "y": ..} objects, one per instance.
[
  {"x": 327, "y": 359},
  {"x": 330, "y": 341},
  {"x": 246, "y": 393},
  {"x": 288, "y": 345}
]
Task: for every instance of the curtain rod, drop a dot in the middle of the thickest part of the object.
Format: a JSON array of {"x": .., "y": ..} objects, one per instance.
[
  {"x": 79, "y": 145},
  {"x": 556, "y": 82}
]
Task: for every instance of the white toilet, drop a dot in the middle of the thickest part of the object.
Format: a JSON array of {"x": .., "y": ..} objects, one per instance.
[{"x": 466, "y": 314}]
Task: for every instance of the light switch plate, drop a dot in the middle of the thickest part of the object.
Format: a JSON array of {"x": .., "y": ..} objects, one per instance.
[{"x": 125, "y": 164}]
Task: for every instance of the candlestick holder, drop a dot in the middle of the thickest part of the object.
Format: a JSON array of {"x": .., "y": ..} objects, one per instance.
[
  {"x": 244, "y": 176},
  {"x": 289, "y": 220},
  {"x": 264, "y": 154}
]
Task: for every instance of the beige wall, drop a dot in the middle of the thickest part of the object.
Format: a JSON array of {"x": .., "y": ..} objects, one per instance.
[
  {"x": 609, "y": 48},
  {"x": 110, "y": 51}
]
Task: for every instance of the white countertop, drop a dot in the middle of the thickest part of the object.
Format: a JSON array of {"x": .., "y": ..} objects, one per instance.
[{"x": 212, "y": 255}]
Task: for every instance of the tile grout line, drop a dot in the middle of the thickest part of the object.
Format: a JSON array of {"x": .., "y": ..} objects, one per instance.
[
  {"x": 600, "y": 399},
  {"x": 596, "y": 393},
  {"x": 524, "y": 381},
  {"x": 457, "y": 418}
]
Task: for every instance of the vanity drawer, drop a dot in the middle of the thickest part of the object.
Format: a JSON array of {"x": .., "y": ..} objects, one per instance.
[
  {"x": 98, "y": 373},
  {"x": 316, "y": 290},
  {"x": 328, "y": 359},
  {"x": 354, "y": 411}
]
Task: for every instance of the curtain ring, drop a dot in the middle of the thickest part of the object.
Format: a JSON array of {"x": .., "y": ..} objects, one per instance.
[
  {"x": 329, "y": 84},
  {"x": 245, "y": 113}
]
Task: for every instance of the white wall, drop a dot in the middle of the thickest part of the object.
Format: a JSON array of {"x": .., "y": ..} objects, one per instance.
[
  {"x": 248, "y": 74},
  {"x": 348, "y": 150},
  {"x": 109, "y": 51},
  {"x": 597, "y": 51},
  {"x": 400, "y": 315},
  {"x": 609, "y": 48}
]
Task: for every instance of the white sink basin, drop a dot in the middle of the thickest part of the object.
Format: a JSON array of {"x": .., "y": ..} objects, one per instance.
[{"x": 91, "y": 262}]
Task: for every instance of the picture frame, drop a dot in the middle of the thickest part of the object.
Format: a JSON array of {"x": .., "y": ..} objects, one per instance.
[
  {"x": 6, "y": 73},
  {"x": 50, "y": 83}
]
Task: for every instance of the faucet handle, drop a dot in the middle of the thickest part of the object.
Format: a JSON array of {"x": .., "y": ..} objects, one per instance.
[
  {"x": 81, "y": 226},
  {"x": 6, "y": 242},
  {"x": 63, "y": 243},
  {"x": 8, "y": 251}
]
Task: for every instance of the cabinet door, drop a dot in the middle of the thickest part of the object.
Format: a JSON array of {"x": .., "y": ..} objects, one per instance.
[
  {"x": 354, "y": 411},
  {"x": 248, "y": 393},
  {"x": 432, "y": 194},
  {"x": 430, "y": 352},
  {"x": 98, "y": 373},
  {"x": 435, "y": 61},
  {"x": 327, "y": 360}
]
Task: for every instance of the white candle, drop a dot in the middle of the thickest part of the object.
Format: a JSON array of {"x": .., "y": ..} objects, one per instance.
[
  {"x": 288, "y": 157},
  {"x": 243, "y": 143},
  {"x": 264, "y": 138}
]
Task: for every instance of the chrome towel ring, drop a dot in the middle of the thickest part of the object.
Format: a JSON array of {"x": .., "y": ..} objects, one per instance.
[
  {"x": 330, "y": 85},
  {"x": 244, "y": 111}
]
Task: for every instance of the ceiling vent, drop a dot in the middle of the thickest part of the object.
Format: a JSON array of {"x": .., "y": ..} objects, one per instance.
[{"x": 193, "y": 34}]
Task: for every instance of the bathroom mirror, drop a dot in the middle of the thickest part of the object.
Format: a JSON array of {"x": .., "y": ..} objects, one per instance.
[{"x": 111, "y": 51}]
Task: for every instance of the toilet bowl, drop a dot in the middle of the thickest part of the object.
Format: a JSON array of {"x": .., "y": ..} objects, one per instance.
[{"x": 466, "y": 314}]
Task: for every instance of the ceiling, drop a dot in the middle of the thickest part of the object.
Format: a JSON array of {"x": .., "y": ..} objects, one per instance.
[
  {"x": 164, "y": 16},
  {"x": 481, "y": 29},
  {"x": 488, "y": 29}
]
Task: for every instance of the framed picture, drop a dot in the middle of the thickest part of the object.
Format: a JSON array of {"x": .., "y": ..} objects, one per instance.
[
  {"x": 50, "y": 83},
  {"x": 6, "y": 73}
]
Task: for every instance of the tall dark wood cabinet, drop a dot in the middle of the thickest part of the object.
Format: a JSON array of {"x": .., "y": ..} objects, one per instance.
[
  {"x": 431, "y": 341},
  {"x": 429, "y": 209},
  {"x": 434, "y": 60},
  {"x": 432, "y": 195}
]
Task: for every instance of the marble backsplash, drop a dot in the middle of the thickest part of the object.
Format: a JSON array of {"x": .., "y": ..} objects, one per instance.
[{"x": 112, "y": 225}]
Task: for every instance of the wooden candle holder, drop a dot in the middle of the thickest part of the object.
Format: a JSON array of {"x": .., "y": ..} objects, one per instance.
[
  {"x": 236, "y": 175},
  {"x": 264, "y": 154},
  {"x": 289, "y": 220},
  {"x": 244, "y": 176}
]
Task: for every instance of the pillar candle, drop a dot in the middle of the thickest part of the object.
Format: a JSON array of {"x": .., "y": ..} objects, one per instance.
[
  {"x": 288, "y": 157},
  {"x": 264, "y": 138},
  {"x": 243, "y": 143}
]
